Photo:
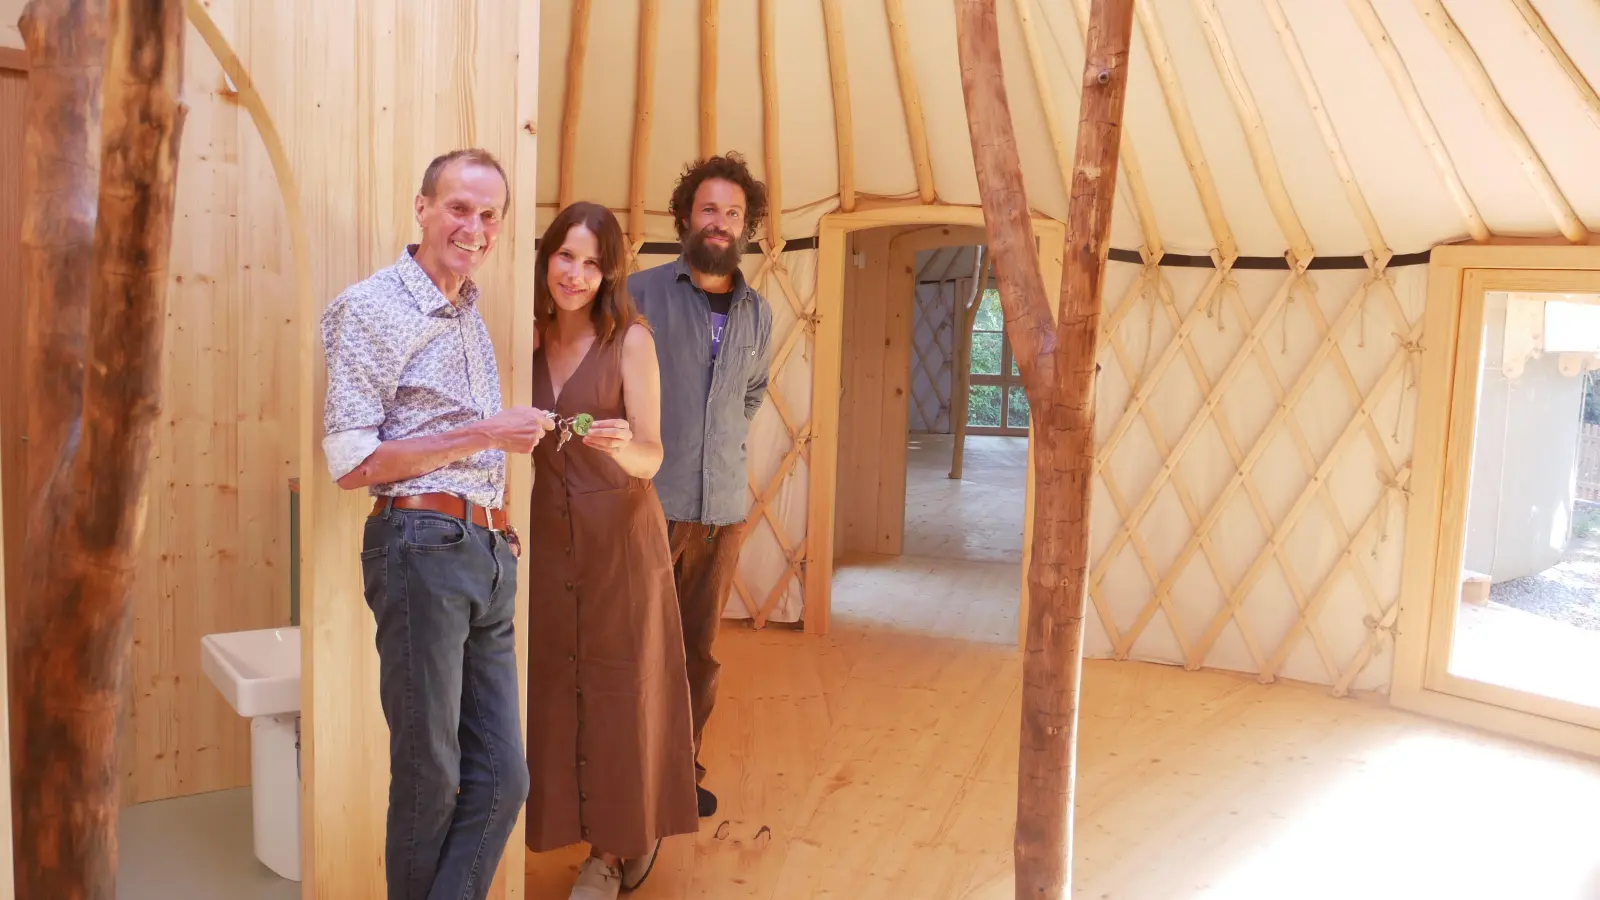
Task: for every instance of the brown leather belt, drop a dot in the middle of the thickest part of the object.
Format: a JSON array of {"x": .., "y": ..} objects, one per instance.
[{"x": 449, "y": 504}]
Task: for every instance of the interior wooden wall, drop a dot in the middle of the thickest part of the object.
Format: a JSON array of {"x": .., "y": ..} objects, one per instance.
[
  {"x": 215, "y": 551},
  {"x": 215, "y": 555},
  {"x": 869, "y": 399},
  {"x": 355, "y": 100},
  {"x": 365, "y": 94}
]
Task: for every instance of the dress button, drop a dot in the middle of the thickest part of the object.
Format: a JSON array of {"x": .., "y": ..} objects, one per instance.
[
  {"x": 571, "y": 658},
  {"x": 583, "y": 795},
  {"x": 569, "y": 585}
]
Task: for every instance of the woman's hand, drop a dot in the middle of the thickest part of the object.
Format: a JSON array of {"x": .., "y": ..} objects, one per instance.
[{"x": 609, "y": 436}]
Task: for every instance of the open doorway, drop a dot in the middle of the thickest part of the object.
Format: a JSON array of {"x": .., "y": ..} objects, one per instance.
[
  {"x": 933, "y": 432},
  {"x": 967, "y": 451}
]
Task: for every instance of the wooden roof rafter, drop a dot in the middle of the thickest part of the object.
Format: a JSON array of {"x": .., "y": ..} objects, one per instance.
[
  {"x": 708, "y": 78},
  {"x": 1188, "y": 138},
  {"x": 1494, "y": 108},
  {"x": 644, "y": 112},
  {"x": 572, "y": 106},
  {"x": 1255, "y": 131},
  {"x": 910, "y": 99},
  {"x": 771, "y": 144},
  {"x": 1330, "y": 135},
  {"x": 1411, "y": 101},
  {"x": 1586, "y": 91},
  {"x": 843, "y": 125}
]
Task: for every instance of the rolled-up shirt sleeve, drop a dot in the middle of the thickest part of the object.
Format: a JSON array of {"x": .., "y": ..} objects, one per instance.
[{"x": 364, "y": 365}]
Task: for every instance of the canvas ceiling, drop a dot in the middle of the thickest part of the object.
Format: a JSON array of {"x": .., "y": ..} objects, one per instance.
[{"x": 1406, "y": 184}]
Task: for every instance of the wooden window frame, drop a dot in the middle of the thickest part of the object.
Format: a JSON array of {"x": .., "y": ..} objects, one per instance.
[
  {"x": 1006, "y": 381},
  {"x": 1458, "y": 276}
]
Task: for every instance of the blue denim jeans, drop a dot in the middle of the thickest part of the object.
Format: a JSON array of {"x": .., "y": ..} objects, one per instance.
[{"x": 442, "y": 592}]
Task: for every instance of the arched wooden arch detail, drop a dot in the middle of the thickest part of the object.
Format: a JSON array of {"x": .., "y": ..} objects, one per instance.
[{"x": 288, "y": 189}]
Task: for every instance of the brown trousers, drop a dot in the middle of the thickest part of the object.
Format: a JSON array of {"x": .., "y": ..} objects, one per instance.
[{"x": 704, "y": 559}]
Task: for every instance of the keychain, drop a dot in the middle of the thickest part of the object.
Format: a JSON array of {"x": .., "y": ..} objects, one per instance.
[{"x": 578, "y": 424}]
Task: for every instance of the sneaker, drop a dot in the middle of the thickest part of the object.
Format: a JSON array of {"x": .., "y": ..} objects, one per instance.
[
  {"x": 596, "y": 881},
  {"x": 634, "y": 871},
  {"x": 707, "y": 801}
]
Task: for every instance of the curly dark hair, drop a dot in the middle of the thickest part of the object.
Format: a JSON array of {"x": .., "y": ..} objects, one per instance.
[{"x": 729, "y": 167}]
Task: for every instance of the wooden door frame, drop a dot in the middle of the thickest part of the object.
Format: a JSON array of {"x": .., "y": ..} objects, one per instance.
[
  {"x": 1442, "y": 459},
  {"x": 832, "y": 248}
]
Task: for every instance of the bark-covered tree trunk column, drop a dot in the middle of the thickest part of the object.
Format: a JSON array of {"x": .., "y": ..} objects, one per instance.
[
  {"x": 1057, "y": 361},
  {"x": 104, "y": 156}
]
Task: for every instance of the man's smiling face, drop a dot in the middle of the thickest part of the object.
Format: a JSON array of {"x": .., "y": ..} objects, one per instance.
[{"x": 461, "y": 221}]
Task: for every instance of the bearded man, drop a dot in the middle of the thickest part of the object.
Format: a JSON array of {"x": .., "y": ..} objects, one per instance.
[{"x": 714, "y": 343}]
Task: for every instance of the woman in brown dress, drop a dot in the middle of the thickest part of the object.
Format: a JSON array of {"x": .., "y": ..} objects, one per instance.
[{"x": 610, "y": 744}]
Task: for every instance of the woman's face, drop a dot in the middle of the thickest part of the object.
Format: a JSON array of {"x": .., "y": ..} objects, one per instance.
[{"x": 575, "y": 271}]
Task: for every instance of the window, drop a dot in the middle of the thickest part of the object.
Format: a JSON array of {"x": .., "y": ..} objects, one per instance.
[{"x": 996, "y": 403}]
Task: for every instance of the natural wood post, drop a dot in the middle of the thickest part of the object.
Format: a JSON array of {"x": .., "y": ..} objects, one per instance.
[
  {"x": 65, "y": 41},
  {"x": 1058, "y": 364},
  {"x": 60, "y": 177},
  {"x": 966, "y": 314},
  {"x": 71, "y": 650}
]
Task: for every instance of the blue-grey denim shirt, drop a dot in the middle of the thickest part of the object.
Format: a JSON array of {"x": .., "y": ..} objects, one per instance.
[{"x": 706, "y": 405}]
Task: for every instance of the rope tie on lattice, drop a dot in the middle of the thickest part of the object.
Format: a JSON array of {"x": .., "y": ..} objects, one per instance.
[
  {"x": 1154, "y": 281},
  {"x": 1373, "y": 277},
  {"x": 809, "y": 322},
  {"x": 1376, "y": 626},
  {"x": 1393, "y": 488},
  {"x": 1215, "y": 300},
  {"x": 1413, "y": 349},
  {"x": 1299, "y": 281}
]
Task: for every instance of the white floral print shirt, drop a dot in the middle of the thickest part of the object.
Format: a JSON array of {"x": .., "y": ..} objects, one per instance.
[{"x": 403, "y": 362}]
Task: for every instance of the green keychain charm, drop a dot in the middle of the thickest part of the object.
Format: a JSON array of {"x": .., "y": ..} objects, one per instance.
[{"x": 578, "y": 424}]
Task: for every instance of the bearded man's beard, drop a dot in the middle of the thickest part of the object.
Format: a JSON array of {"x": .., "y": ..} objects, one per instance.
[{"x": 707, "y": 258}]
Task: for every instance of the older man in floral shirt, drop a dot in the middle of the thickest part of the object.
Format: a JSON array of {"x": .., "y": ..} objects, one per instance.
[{"x": 413, "y": 415}]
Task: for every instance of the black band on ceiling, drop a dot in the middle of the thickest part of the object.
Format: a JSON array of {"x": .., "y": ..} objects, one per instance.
[
  {"x": 1176, "y": 260},
  {"x": 673, "y": 248},
  {"x": 1179, "y": 260}
]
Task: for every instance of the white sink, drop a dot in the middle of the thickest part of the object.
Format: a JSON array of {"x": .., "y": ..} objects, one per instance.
[{"x": 257, "y": 671}]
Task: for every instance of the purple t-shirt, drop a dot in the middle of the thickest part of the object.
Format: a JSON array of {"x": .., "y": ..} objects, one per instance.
[{"x": 720, "y": 304}]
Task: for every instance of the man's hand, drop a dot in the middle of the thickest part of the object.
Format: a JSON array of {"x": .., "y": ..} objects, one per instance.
[
  {"x": 609, "y": 436},
  {"x": 518, "y": 429}
]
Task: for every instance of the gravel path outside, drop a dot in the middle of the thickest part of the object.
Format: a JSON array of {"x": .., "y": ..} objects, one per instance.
[{"x": 1569, "y": 591}]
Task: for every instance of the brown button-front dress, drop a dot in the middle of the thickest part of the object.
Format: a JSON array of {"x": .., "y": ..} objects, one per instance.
[{"x": 610, "y": 742}]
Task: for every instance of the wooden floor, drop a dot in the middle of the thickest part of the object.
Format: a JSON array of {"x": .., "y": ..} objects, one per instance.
[
  {"x": 879, "y": 762},
  {"x": 872, "y": 763},
  {"x": 978, "y": 517}
]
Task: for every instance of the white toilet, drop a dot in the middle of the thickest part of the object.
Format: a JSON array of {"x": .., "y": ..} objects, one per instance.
[{"x": 259, "y": 674}]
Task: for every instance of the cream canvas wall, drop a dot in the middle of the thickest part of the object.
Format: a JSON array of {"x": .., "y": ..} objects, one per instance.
[{"x": 1316, "y": 522}]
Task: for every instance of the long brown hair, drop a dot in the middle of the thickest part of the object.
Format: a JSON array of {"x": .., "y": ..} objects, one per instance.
[{"x": 612, "y": 310}]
